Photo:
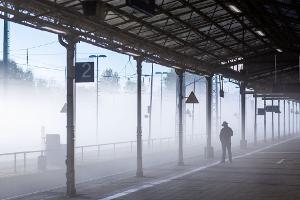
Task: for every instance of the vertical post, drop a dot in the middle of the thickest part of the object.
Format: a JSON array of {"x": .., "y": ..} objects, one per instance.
[
  {"x": 180, "y": 112},
  {"x": 139, "y": 171},
  {"x": 284, "y": 118},
  {"x": 24, "y": 159},
  {"x": 209, "y": 151},
  {"x": 217, "y": 104},
  {"x": 150, "y": 107},
  {"x": 255, "y": 119},
  {"x": 15, "y": 162},
  {"x": 97, "y": 102},
  {"x": 297, "y": 117},
  {"x": 289, "y": 112},
  {"x": 272, "y": 122},
  {"x": 293, "y": 117},
  {"x": 161, "y": 98},
  {"x": 278, "y": 120},
  {"x": 193, "y": 113},
  {"x": 5, "y": 47},
  {"x": 243, "y": 143},
  {"x": 265, "y": 122},
  {"x": 69, "y": 44}
]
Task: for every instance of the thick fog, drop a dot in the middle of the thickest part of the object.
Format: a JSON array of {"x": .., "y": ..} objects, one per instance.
[{"x": 28, "y": 108}]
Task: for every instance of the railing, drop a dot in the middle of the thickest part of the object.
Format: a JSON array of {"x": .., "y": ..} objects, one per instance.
[{"x": 129, "y": 145}]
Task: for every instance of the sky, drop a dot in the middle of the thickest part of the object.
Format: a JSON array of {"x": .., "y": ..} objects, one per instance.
[{"x": 47, "y": 58}]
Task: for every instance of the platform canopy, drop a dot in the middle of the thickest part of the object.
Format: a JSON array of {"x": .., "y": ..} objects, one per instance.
[{"x": 200, "y": 36}]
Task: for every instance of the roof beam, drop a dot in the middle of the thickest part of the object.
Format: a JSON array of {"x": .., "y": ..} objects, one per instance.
[{"x": 210, "y": 20}]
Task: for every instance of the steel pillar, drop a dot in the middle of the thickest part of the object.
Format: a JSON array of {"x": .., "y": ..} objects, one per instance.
[
  {"x": 265, "y": 122},
  {"x": 69, "y": 43},
  {"x": 278, "y": 120},
  {"x": 284, "y": 132},
  {"x": 272, "y": 122},
  {"x": 293, "y": 117},
  {"x": 243, "y": 143},
  {"x": 150, "y": 107},
  {"x": 255, "y": 120},
  {"x": 139, "y": 170},
  {"x": 209, "y": 151},
  {"x": 289, "y": 107},
  {"x": 180, "y": 113},
  {"x": 297, "y": 121}
]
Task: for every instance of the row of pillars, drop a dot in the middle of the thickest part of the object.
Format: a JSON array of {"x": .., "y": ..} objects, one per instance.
[
  {"x": 293, "y": 127},
  {"x": 69, "y": 43}
]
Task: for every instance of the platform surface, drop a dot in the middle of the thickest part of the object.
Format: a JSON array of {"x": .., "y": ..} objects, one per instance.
[{"x": 266, "y": 172}]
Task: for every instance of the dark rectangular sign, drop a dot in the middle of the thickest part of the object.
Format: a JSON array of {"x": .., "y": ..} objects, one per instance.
[
  {"x": 84, "y": 72},
  {"x": 272, "y": 109},
  {"x": 261, "y": 111}
]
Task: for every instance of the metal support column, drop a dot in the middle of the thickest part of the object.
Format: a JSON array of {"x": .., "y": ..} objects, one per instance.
[
  {"x": 150, "y": 107},
  {"x": 265, "y": 122},
  {"x": 139, "y": 170},
  {"x": 278, "y": 120},
  {"x": 255, "y": 120},
  {"x": 293, "y": 117},
  {"x": 297, "y": 117},
  {"x": 289, "y": 107},
  {"x": 69, "y": 43},
  {"x": 272, "y": 122},
  {"x": 209, "y": 151},
  {"x": 180, "y": 113},
  {"x": 243, "y": 143},
  {"x": 284, "y": 133}
]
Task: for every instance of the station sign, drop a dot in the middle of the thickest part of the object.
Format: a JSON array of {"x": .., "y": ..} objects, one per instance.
[
  {"x": 261, "y": 111},
  {"x": 274, "y": 109},
  {"x": 84, "y": 72}
]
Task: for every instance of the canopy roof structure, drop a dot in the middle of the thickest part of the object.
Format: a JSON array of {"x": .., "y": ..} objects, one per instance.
[{"x": 200, "y": 36}]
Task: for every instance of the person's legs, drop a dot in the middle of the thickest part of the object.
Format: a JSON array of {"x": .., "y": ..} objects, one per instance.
[
  {"x": 223, "y": 151},
  {"x": 229, "y": 151}
]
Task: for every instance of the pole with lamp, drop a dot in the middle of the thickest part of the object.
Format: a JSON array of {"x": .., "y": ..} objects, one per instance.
[
  {"x": 161, "y": 96},
  {"x": 97, "y": 94}
]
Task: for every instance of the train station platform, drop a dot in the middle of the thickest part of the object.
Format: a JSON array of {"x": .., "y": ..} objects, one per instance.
[{"x": 265, "y": 171}]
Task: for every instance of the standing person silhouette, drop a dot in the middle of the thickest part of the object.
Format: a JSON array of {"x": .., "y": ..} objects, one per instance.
[{"x": 225, "y": 137}]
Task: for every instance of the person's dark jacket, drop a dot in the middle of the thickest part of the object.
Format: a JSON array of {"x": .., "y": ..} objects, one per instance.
[{"x": 225, "y": 134}]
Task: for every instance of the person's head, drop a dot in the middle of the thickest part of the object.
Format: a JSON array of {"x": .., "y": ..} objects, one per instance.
[{"x": 225, "y": 124}]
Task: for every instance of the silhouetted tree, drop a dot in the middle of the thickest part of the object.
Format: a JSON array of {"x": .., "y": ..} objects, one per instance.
[
  {"x": 15, "y": 72},
  {"x": 109, "y": 80}
]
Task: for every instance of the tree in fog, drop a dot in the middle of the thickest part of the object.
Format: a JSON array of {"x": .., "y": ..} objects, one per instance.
[
  {"x": 15, "y": 72},
  {"x": 109, "y": 80},
  {"x": 170, "y": 80}
]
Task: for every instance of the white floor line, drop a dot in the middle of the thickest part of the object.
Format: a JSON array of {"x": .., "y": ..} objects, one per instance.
[
  {"x": 279, "y": 152},
  {"x": 280, "y": 161},
  {"x": 154, "y": 183}
]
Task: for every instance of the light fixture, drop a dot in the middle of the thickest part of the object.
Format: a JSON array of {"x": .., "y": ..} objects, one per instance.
[
  {"x": 279, "y": 50},
  {"x": 234, "y": 8},
  {"x": 260, "y": 33},
  {"x": 54, "y": 30},
  {"x": 132, "y": 54}
]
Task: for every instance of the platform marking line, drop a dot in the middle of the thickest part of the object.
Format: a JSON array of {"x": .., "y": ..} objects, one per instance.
[
  {"x": 278, "y": 152},
  {"x": 280, "y": 161},
  {"x": 154, "y": 183}
]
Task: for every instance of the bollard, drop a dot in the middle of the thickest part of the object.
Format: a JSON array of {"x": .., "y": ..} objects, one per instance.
[
  {"x": 15, "y": 162},
  {"x": 24, "y": 156},
  {"x": 98, "y": 152},
  {"x": 81, "y": 153}
]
